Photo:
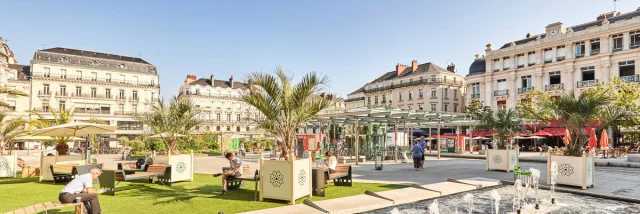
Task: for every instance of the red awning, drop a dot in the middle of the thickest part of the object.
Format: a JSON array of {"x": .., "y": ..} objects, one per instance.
[
  {"x": 558, "y": 124},
  {"x": 560, "y": 131},
  {"x": 542, "y": 134},
  {"x": 448, "y": 135},
  {"x": 482, "y": 133}
]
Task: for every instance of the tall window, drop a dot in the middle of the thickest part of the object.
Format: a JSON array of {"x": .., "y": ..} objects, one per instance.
[
  {"x": 496, "y": 65},
  {"x": 446, "y": 93},
  {"x": 107, "y": 77},
  {"x": 121, "y": 107},
  {"x": 94, "y": 76},
  {"x": 433, "y": 77},
  {"x": 121, "y": 95},
  {"x": 218, "y": 117},
  {"x": 520, "y": 58},
  {"x": 595, "y": 47},
  {"x": 45, "y": 89},
  {"x": 455, "y": 94},
  {"x": 47, "y": 72},
  {"x": 455, "y": 107},
  {"x": 506, "y": 63},
  {"x": 153, "y": 81},
  {"x": 446, "y": 107},
  {"x": 375, "y": 100},
  {"x": 554, "y": 78},
  {"x": 238, "y": 117},
  {"x": 121, "y": 78},
  {"x": 628, "y": 71},
  {"x": 384, "y": 98},
  {"x": 134, "y": 107},
  {"x": 63, "y": 74},
  {"x": 433, "y": 107},
  {"x": 617, "y": 42},
  {"x": 526, "y": 81},
  {"x": 79, "y": 75},
  {"x": 228, "y": 128},
  {"x": 153, "y": 96},
  {"x": 62, "y": 106},
  {"x": 93, "y": 92},
  {"x": 420, "y": 94},
  {"x": 63, "y": 90},
  {"x": 560, "y": 53},
  {"x": 580, "y": 49},
  {"x": 475, "y": 88},
  {"x": 134, "y": 95},
  {"x": 433, "y": 92},
  {"x": 400, "y": 96},
  {"x": 635, "y": 39},
  {"x": 368, "y": 100},
  {"x": 532, "y": 58},
  {"x": 78, "y": 91},
  {"x": 547, "y": 55},
  {"x": 134, "y": 80},
  {"x": 588, "y": 73},
  {"x": 410, "y": 94},
  {"x": 228, "y": 117},
  {"x": 218, "y": 128},
  {"x": 107, "y": 92}
]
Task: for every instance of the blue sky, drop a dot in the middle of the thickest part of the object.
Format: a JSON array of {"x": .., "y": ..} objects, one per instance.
[{"x": 351, "y": 41}]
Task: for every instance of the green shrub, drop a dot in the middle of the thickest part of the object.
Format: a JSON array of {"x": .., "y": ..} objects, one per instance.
[
  {"x": 137, "y": 145},
  {"x": 156, "y": 145}
]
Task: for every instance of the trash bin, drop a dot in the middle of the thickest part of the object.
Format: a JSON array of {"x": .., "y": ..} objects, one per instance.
[
  {"x": 317, "y": 181},
  {"x": 378, "y": 160}
]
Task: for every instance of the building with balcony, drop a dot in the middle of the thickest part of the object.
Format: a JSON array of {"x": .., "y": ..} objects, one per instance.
[
  {"x": 102, "y": 86},
  {"x": 560, "y": 60},
  {"x": 222, "y": 110},
  {"x": 419, "y": 86},
  {"x": 14, "y": 77},
  {"x": 355, "y": 99}
]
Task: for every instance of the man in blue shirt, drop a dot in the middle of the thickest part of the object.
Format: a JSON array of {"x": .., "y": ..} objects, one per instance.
[
  {"x": 81, "y": 187},
  {"x": 417, "y": 154},
  {"x": 423, "y": 145}
]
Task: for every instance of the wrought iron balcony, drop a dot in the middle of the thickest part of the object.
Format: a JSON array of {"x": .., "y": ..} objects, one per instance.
[
  {"x": 634, "y": 45},
  {"x": 476, "y": 95},
  {"x": 587, "y": 83},
  {"x": 579, "y": 56},
  {"x": 548, "y": 61},
  {"x": 560, "y": 58},
  {"x": 595, "y": 52},
  {"x": 503, "y": 92},
  {"x": 91, "y": 79},
  {"x": 524, "y": 90},
  {"x": 520, "y": 66},
  {"x": 616, "y": 49},
  {"x": 554, "y": 87},
  {"x": 630, "y": 78},
  {"x": 532, "y": 64}
]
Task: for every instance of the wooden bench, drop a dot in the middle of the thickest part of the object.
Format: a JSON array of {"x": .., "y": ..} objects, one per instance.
[
  {"x": 342, "y": 175},
  {"x": 62, "y": 172},
  {"x": 44, "y": 207},
  {"x": 130, "y": 167},
  {"x": 153, "y": 171},
  {"x": 237, "y": 182},
  {"x": 343, "y": 159}
]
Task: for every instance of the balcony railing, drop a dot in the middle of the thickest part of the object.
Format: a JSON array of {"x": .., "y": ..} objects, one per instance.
[
  {"x": 90, "y": 79},
  {"x": 554, "y": 87},
  {"x": 560, "y": 58},
  {"x": 41, "y": 110},
  {"x": 350, "y": 100},
  {"x": 60, "y": 94},
  {"x": 496, "y": 70},
  {"x": 100, "y": 96},
  {"x": 44, "y": 93},
  {"x": 125, "y": 113},
  {"x": 594, "y": 52},
  {"x": 630, "y": 78},
  {"x": 579, "y": 56},
  {"x": 548, "y": 61},
  {"x": 505, "y": 69},
  {"x": 90, "y": 111},
  {"x": 634, "y": 46},
  {"x": 187, "y": 93},
  {"x": 524, "y": 90},
  {"x": 616, "y": 49},
  {"x": 520, "y": 66},
  {"x": 587, "y": 83},
  {"x": 450, "y": 82},
  {"x": 475, "y": 95},
  {"x": 503, "y": 92},
  {"x": 532, "y": 64}
]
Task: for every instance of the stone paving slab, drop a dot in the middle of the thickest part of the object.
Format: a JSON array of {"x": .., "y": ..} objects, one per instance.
[
  {"x": 448, "y": 188},
  {"x": 291, "y": 209},
  {"x": 408, "y": 195},
  {"x": 353, "y": 204},
  {"x": 483, "y": 182}
]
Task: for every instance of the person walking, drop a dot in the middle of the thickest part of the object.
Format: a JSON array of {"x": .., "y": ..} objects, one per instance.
[
  {"x": 423, "y": 145},
  {"x": 417, "y": 154}
]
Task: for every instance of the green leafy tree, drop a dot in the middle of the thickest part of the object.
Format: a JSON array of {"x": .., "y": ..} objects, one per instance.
[
  {"x": 137, "y": 145},
  {"x": 533, "y": 106},
  {"x": 475, "y": 107},
  {"x": 211, "y": 141},
  {"x": 175, "y": 118},
  {"x": 9, "y": 129},
  {"x": 504, "y": 122},
  {"x": 124, "y": 141},
  {"x": 60, "y": 116},
  {"x": 286, "y": 106}
]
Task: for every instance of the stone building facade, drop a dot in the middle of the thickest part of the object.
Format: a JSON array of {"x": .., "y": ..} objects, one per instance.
[
  {"x": 562, "y": 59},
  {"x": 103, "y": 86},
  {"x": 13, "y": 76}
]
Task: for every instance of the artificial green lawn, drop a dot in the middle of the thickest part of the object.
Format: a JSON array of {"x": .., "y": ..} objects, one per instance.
[{"x": 199, "y": 196}]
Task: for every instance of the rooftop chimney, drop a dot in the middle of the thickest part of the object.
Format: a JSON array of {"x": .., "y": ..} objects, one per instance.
[
  {"x": 190, "y": 78},
  {"x": 489, "y": 48},
  {"x": 451, "y": 67},
  {"x": 528, "y": 35},
  {"x": 212, "y": 79},
  {"x": 477, "y": 56},
  {"x": 608, "y": 15},
  {"x": 231, "y": 81},
  {"x": 400, "y": 68},
  {"x": 414, "y": 66}
]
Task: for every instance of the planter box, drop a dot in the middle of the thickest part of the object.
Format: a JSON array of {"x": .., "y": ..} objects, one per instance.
[
  {"x": 502, "y": 159},
  {"x": 46, "y": 161},
  {"x": 180, "y": 167},
  {"x": 285, "y": 180},
  {"x": 573, "y": 171},
  {"x": 8, "y": 166}
]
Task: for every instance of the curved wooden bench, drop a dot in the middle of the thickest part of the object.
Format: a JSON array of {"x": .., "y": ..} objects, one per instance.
[
  {"x": 342, "y": 175},
  {"x": 154, "y": 170},
  {"x": 236, "y": 182},
  {"x": 44, "y": 207}
]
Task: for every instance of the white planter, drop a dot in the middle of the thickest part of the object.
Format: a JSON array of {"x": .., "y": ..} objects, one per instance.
[
  {"x": 502, "y": 159},
  {"x": 285, "y": 180},
  {"x": 573, "y": 171},
  {"x": 8, "y": 166},
  {"x": 181, "y": 167}
]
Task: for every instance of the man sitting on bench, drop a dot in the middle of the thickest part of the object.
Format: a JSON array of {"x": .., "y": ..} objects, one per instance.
[
  {"x": 81, "y": 187},
  {"x": 233, "y": 171}
]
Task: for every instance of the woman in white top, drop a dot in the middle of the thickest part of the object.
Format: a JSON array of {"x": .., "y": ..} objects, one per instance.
[{"x": 331, "y": 162}]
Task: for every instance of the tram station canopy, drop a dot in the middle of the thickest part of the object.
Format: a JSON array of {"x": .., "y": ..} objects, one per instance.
[{"x": 389, "y": 116}]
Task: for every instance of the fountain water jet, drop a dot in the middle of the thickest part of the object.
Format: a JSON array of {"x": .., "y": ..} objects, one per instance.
[
  {"x": 554, "y": 178},
  {"x": 468, "y": 198},
  {"x": 496, "y": 198},
  {"x": 535, "y": 177},
  {"x": 433, "y": 208}
]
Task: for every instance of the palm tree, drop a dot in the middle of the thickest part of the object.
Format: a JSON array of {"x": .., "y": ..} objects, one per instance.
[
  {"x": 505, "y": 122},
  {"x": 9, "y": 129},
  {"x": 60, "y": 116},
  {"x": 8, "y": 91},
  {"x": 576, "y": 111},
  {"x": 179, "y": 117},
  {"x": 286, "y": 106}
]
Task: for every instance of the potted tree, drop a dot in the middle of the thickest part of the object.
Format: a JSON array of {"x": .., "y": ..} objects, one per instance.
[
  {"x": 285, "y": 107},
  {"x": 504, "y": 124}
]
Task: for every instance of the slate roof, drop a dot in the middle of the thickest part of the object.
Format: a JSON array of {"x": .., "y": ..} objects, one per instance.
[
  {"x": 426, "y": 67},
  {"x": 361, "y": 89},
  {"x": 478, "y": 66},
  {"x": 583, "y": 26},
  {"x": 24, "y": 71},
  {"x": 220, "y": 83},
  {"x": 95, "y": 55}
]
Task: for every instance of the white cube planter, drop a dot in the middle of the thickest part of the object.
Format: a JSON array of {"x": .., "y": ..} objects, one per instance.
[
  {"x": 8, "y": 166},
  {"x": 181, "y": 166},
  {"x": 285, "y": 180},
  {"x": 573, "y": 171},
  {"x": 502, "y": 159}
]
